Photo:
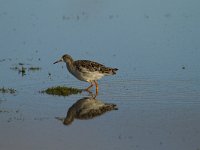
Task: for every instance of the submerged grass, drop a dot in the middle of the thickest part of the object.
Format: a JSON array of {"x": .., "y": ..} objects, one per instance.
[
  {"x": 61, "y": 91},
  {"x": 7, "y": 90}
]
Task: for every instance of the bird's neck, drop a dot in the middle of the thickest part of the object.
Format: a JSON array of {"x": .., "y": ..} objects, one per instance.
[
  {"x": 70, "y": 116},
  {"x": 70, "y": 67}
]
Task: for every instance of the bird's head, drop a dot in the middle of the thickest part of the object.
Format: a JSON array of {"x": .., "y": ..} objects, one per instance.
[{"x": 65, "y": 58}]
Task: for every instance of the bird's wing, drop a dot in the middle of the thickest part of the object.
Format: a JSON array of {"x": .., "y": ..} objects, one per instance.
[
  {"x": 87, "y": 65},
  {"x": 91, "y": 66}
]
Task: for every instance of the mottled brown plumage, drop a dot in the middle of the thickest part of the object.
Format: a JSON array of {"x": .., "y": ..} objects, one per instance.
[{"x": 94, "y": 66}]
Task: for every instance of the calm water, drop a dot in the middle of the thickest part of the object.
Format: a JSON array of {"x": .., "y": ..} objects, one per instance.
[{"x": 154, "y": 44}]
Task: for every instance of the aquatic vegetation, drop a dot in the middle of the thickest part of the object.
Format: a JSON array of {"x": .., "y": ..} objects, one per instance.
[
  {"x": 7, "y": 90},
  {"x": 4, "y": 111},
  {"x": 34, "y": 68},
  {"x": 22, "y": 70},
  {"x": 61, "y": 91},
  {"x": 2, "y": 60}
]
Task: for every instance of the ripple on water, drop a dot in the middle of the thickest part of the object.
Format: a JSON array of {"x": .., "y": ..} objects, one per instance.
[{"x": 144, "y": 90}]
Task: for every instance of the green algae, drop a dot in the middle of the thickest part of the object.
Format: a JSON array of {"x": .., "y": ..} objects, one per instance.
[{"x": 61, "y": 91}]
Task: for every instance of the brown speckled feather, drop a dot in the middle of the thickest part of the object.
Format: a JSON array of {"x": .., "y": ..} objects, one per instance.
[{"x": 93, "y": 66}]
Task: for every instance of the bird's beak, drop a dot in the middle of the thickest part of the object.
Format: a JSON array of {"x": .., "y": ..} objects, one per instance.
[{"x": 58, "y": 61}]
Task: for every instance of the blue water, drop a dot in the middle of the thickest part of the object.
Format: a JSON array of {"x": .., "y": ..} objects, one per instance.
[{"x": 154, "y": 44}]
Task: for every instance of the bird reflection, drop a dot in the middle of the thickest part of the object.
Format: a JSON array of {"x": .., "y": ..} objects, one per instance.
[{"x": 87, "y": 108}]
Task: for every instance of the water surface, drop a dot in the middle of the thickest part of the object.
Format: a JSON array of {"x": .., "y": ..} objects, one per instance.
[{"x": 154, "y": 44}]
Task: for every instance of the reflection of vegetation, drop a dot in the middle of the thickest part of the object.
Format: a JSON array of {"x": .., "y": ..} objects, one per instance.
[
  {"x": 62, "y": 91},
  {"x": 7, "y": 90}
]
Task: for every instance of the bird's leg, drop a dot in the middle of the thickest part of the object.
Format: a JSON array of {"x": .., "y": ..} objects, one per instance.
[
  {"x": 87, "y": 89},
  {"x": 97, "y": 87}
]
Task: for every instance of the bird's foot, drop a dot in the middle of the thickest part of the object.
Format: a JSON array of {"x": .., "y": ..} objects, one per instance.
[{"x": 93, "y": 95}]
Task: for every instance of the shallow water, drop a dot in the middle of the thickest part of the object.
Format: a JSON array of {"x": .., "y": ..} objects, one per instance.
[{"x": 154, "y": 44}]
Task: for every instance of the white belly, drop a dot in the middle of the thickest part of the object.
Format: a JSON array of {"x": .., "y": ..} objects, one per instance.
[
  {"x": 85, "y": 75},
  {"x": 89, "y": 76}
]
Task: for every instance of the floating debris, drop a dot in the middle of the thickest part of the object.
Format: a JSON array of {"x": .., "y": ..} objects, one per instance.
[
  {"x": 2, "y": 60},
  {"x": 21, "y": 64},
  {"x": 9, "y": 111},
  {"x": 77, "y": 17},
  {"x": 167, "y": 15},
  {"x": 61, "y": 91},
  {"x": 183, "y": 67},
  {"x": 146, "y": 16},
  {"x": 7, "y": 90},
  {"x": 111, "y": 16},
  {"x": 49, "y": 75}
]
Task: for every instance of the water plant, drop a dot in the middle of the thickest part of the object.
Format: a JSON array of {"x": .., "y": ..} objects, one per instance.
[
  {"x": 34, "y": 68},
  {"x": 61, "y": 91},
  {"x": 7, "y": 90}
]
